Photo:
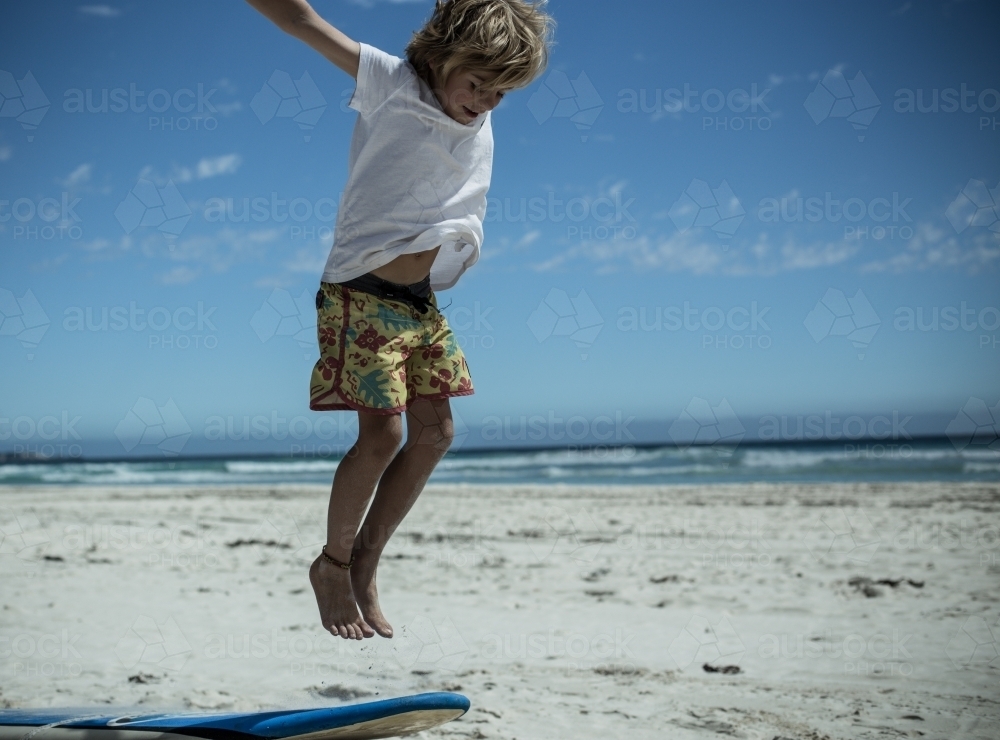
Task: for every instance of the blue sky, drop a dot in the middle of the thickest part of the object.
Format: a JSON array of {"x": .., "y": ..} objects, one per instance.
[{"x": 616, "y": 197}]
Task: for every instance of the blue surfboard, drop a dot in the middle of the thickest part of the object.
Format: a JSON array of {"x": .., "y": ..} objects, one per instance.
[{"x": 364, "y": 721}]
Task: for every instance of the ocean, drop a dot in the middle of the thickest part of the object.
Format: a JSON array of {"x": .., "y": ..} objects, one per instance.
[{"x": 930, "y": 459}]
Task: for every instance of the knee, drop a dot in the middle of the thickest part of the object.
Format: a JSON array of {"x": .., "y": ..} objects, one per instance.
[
  {"x": 436, "y": 438},
  {"x": 381, "y": 436}
]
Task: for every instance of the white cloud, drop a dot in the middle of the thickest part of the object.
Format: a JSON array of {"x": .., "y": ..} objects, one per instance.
[
  {"x": 79, "y": 181},
  {"x": 101, "y": 11},
  {"x": 77, "y": 177},
  {"x": 935, "y": 248},
  {"x": 675, "y": 254},
  {"x": 616, "y": 189},
  {"x": 690, "y": 252},
  {"x": 94, "y": 245},
  {"x": 105, "y": 249},
  {"x": 227, "y": 109},
  {"x": 528, "y": 239},
  {"x": 226, "y": 85},
  {"x": 811, "y": 256},
  {"x": 274, "y": 281},
  {"x": 776, "y": 80},
  {"x": 179, "y": 276},
  {"x": 218, "y": 251},
  {"x": 226, "y": 164},
  {"x": 931, "y": 248},
  {"x": 189, "y": 257},
  {"x": 5, "y": 153},
  {"x": 50, "y": 263},
  {"x": 309, "y": 260}
]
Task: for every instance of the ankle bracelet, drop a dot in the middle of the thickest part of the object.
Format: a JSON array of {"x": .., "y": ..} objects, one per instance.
[{"x": 334, "y": 561}]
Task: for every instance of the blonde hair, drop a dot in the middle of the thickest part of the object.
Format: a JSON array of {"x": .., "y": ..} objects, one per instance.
[{"x": 510, "y": 38}]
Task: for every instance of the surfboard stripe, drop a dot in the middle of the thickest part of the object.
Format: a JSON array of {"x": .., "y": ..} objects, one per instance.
[{"x": 420, "y": 711}]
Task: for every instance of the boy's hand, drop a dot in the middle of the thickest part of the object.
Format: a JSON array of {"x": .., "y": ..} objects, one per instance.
[{"x": 297, "y": 18}]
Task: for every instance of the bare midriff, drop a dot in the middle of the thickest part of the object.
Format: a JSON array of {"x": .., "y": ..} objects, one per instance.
[{"x": 407, "y": 269}]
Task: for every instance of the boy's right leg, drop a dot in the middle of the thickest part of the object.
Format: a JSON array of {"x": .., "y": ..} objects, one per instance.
[
  {"x": 379, "y": 436},
  {"x": 430, "y": 430}
]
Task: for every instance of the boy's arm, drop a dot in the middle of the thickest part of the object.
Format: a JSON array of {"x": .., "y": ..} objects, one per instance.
[{"x": 296, "y": 17}]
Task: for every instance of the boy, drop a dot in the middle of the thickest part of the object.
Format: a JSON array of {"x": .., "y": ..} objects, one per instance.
[{"x": 409, "y": 223}]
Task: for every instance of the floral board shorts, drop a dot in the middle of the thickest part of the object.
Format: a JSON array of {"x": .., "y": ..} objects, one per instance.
[{"x": 379, "y": 355}]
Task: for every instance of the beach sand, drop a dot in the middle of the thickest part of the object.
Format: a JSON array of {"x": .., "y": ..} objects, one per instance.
[{"x": 749, "y": 611}]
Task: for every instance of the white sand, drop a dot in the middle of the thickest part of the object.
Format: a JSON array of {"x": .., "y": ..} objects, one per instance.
[{"x": 562, "y": 612}]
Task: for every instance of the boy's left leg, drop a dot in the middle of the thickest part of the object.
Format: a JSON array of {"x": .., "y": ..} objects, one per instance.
[{"x": 429, "y": 432}]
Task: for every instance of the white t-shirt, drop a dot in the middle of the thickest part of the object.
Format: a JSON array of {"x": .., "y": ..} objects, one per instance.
[{"x": 416, "y": 178}]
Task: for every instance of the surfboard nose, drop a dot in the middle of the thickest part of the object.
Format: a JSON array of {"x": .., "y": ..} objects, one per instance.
[{"x": 402, "y": 716}]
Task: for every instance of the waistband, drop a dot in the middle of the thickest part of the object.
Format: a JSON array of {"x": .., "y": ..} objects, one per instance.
[{"x": 414, "y": 294}]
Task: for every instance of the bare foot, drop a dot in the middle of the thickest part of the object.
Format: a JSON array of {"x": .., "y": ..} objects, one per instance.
[
  {"x": 363, "y": 582},
  {"x": 337, "y": 609}
]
